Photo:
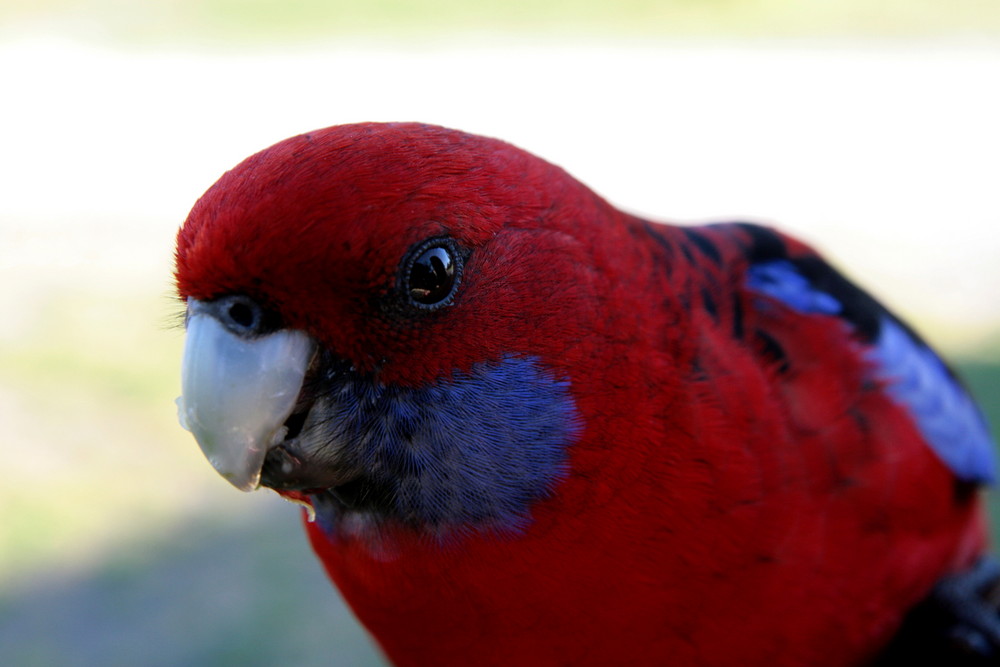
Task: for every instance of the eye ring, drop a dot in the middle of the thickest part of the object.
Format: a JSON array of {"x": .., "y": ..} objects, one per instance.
[{"x": 431, "y": 273}]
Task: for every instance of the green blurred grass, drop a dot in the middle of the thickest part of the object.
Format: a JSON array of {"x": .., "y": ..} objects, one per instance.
[
  {"x": 118, "y": 545},
  {"x": 283, "y": 20},
  {"x": 87, "y": 392},
  {"x": 214, "y": 591}
]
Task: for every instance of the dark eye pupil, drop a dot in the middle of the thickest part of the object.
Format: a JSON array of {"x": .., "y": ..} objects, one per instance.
[{"x": 432, "y": 276}]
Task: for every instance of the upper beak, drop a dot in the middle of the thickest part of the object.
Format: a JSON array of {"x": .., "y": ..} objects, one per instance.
[{"x": 237, "y": 392}]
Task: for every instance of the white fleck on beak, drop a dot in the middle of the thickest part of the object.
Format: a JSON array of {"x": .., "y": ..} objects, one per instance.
[{"x": 237, "y": 392}]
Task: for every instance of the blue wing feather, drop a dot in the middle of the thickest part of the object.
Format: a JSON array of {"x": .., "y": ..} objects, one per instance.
[
  {"x": 946, "y": 415},
  {"x": 913, "y": 375},
  {"x": 780, "y": 280}
]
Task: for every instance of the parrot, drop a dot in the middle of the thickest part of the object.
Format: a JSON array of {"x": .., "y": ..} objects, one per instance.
[{"x": 530, "y": 428}]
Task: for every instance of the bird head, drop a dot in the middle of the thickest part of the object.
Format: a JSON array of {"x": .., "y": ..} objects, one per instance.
[{"x": 385, "y": 317}]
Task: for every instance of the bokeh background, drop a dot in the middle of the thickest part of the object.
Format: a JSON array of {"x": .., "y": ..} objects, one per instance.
[{"x": 869, "y": 129}]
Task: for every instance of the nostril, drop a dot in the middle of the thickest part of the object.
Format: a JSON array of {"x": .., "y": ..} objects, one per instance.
[
  {"x": 239, "y": 314},
  {"x": 242, "y": 314}
]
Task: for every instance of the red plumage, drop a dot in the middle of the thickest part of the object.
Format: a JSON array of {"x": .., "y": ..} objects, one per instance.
[{"x": 743, "y": 490}]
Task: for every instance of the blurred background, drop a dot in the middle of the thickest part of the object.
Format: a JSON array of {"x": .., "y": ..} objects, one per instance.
[{"x": 869, "y": 129}]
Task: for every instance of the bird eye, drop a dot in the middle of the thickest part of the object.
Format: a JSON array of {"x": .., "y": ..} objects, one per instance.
[{"x": 432, "y": 273}]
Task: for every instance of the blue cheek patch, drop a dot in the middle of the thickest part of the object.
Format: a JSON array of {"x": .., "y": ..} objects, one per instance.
[
  {"x": 474, "y": 450},
  {"x": 913, "y": 375}
]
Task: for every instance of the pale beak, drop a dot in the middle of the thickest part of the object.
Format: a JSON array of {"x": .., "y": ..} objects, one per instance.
[{"x": 237, "y": 392}]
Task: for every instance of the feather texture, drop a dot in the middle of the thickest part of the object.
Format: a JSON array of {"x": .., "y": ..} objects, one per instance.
[{"x": 713, "y": 448}]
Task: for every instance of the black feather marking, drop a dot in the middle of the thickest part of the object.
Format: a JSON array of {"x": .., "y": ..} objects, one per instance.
[
  {"x": 710, "y": 307},
  {"x": 706, "y": 247},
  {"x": 687, "y": 254},
  {"x": 737, "y": 317},
  {"x": 685, "y": 301},
  {"x": 772, "y": 350},
  {"x": 765, "y": 243},
  {"x": 654, "y": 234}
]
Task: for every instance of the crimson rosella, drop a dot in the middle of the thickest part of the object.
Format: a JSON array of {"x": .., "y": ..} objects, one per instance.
[{"x": 532, "y": 429}]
